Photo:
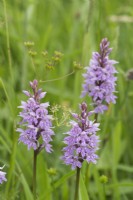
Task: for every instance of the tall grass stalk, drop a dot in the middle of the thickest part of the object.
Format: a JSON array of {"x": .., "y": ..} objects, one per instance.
[
  {"x": 77, "y": 184},
  {"x": 34, "y": 173},
  {"x": 8, "y": 40}
]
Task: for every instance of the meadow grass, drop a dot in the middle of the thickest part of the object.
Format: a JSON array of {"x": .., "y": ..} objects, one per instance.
[{"x": 74, "y": 27}]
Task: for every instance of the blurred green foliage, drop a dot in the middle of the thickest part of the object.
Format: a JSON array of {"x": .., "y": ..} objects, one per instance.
[{"x": 74, "y": 28}]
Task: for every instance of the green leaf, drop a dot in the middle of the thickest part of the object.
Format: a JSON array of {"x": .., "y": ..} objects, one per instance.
[
  {"x": 63, "y": 179},
  {"x": 43, "y": 180},
  {"x": 83, "y": 194},
  {"x": 116, "y": 142},
  {"x": 125, "y": 168},
  {"x": 27, "y": 190}
]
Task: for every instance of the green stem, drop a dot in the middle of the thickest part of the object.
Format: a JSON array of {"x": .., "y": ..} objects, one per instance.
[
  {"x": 104, "y": 191},
  {"x": 8, "y": 39},
  {"x": 96, "y": 117},
  {"x": 56, "y": 79},
  {"x": 77, "y": 184},
  {"x": 87, "y": 176},
  {"x": 34, "y": 173},
  {"x": 33, "y": 64},
  {"x": 76, "y": 89}
]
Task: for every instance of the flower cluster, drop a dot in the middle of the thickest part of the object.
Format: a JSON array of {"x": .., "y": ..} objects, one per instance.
[
  {"x": 82, "y": 141},
  {"x": 99, "y": 80},
  {"x": 2, "y": 176},
  {"x": 36, "y": 123}
]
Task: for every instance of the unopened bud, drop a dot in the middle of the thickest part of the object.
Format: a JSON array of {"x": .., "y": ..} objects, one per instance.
[
  {"x": 29, "y": 44},
  {"x": 52, "y": 171},
  {"x": 32, "y": 53},
  {"x": 103, "y": 179},
  {"x": 77, "y": 65}
]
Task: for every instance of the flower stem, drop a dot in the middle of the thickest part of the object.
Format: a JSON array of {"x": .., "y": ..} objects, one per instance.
[
  {"x": 104, "y": 191},
  {"x": 96, "y": 117},
  {"x": 77, "y": 184},
  {"x": 34, "y": 173},
  {"x": 56, "y": 79}
]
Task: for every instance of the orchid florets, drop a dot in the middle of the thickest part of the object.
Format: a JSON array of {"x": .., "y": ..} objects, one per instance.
[
  {"x": 82, "y": 141},
  {"x": 99, "y": 79},
  {"x": 36, "y": 123}
]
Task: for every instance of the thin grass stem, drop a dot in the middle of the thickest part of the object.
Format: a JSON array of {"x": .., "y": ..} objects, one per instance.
[
  {"x": 77, "y": 184},
  {"x": 56, "y": 79},
  {"x": 7, "y": 39},
  {"x": 96, "y": 117},
  {"x": 34, "y": 173},
  {"x": 104, "y": 191}
]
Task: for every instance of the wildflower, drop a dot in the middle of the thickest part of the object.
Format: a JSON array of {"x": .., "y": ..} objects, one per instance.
[
  {"x": 36, "y": 123},
  {"x": 2, "y": 176},
  {"x": 99, "y": 80},
  {"x": 82, "y": 141}
]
